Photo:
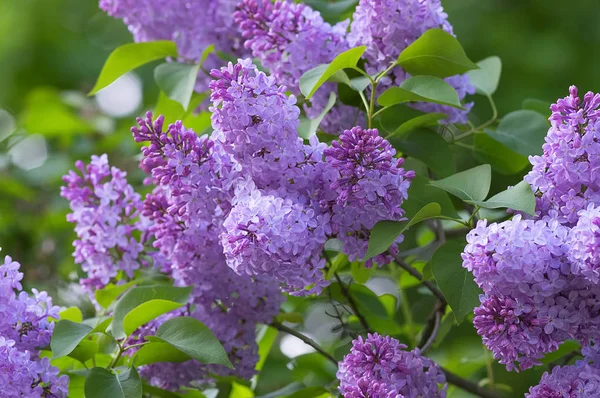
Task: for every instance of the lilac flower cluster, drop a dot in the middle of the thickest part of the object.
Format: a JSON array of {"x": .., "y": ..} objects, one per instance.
[
  {"x": 25, "y": 327},
  {"x": 290, "y": 39},
  {"x": 193, "y": 194},
  {"x": 380, "y": 367},
  {"x": 192, "y": 24},
  {"x": 370, "y": 186},
  {"x": 540, "y": 276},
  {"x": 292, "y": 200},
  {"x": 105, "y": 210},
  {"x": 581, "y": 380},
  {"x": 387, "y": 27},
  {"x": 565, "y": 176}
]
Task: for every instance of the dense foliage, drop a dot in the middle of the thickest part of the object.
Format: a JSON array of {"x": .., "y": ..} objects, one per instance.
[{"x": 301, "y": 159}]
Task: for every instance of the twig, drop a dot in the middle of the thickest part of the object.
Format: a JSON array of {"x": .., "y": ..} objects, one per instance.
[
  {"x": 352, "y": 303},
  {"x": 468, "y": 385},
  {"x": 436, "y": 292},
  {"x": 305, "y": 339},
  {"x": 432, "y": 327}
]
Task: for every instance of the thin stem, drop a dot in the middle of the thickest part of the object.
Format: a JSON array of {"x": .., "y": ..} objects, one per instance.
[
  {"x": 489, "y": 365},
  {"x": 468, "y": 385},
  {"x": 473, "y": 215},
  {"x": 352, "y": 303},
  {"x": 372, "y": 103},
  {"x": 436, "y": 292},
  {"x": 477, "y": 129},
  {"x": 135, "y": 345},
  {"x": 304, "y": 339},
  {"x": 385, "y": 72},
  {"x": 365, "y": 102},
  {"x": 405, "y": 306},
  {"x": 433, "y": 327},
  {"x": 116, "y": 359}
]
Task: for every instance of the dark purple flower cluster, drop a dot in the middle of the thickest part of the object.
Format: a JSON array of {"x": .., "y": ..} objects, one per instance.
[
  {"x": 541, "y": 276},
  {"x": 370, "y": 186},
  {"x": 290, "y": 39},
  {"x": 380, "y": 367},
  {"x": 25, "y": 327},
  {"x": 192, "y": 24},
  {"x": 387, "y": 27},
  {"x": 581, "y": 380},
  {"x": 105, "y": 210}
]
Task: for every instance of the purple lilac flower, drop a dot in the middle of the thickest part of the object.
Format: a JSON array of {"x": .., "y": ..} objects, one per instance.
[
  {"x": 289, "y": 39},
  {"x": 25, "y": 327},
  {"x": 105, "y": 210},
  {"x": 194, "y": 181},
  {"x": 574, "y": 381},
  {"x": 192, "y": 24},
  {"x": 533, "y": 301},
  {"x": 565, "y": 176},
  {"x": 387, "y": 27},
  {"x": 380, "y": 367},
  {"x": 268, "y": 235},
  {"x": 370, "y": 185},
  {"x": 584, "y": 244}
]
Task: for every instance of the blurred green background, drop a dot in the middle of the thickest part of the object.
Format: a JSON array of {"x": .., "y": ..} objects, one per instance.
[{"x": 51, "y": 52}]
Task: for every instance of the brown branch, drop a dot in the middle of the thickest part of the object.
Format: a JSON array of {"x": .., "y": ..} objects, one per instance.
[
  {"x": 468, "y": 385},
  {"x": 305, "y": 339},
  {"x": 352, "y": 303},
  {"x": 433, "y": 288}
]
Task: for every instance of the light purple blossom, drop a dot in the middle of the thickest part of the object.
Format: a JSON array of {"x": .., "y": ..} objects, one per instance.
[
  {"x": 565, "y": 176},
  {"x": 380, "y": 367},
  {"x": 105, "y": 210},
  {"x": 290, "y": 39}
]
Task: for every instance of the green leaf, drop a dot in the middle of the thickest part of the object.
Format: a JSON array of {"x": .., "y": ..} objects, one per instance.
[
  {"x": 435, "y": 53},
  {"x": 486, "y": 78},
  {"x": 138, "y": 296},
  {"x": 130, "y": 56},
  {"x": 468, "y": 185},
  {"x": 101, "y": 383},
  {"x": 308, "y": 127},
  {"x": 385, "y": 233},
  {"x": 106, "y": 296},
  {"x": 72, "y": 314},
  {"x": 66, "y": 336},
  {"x": 156, "y": 392},
  {"x": 156, "y": 352},
  {"x": 360, "y": 273},
  {"x": 85, "y": 350},
  {"x": 177, "y": 81},
  {"x": 503, "y": 160},
  {"x": 455, "y": 282},
  {"x": 146, "y": 312},
  {"x": 537, "y": 105},
  {"x": 520, "y": 198},
  {"x": 421, "y": 193},
  {"x": 265, "y": 343},
  {"x": 192, "y": 337},
  {"x": 421, "y": 88},
  {"x": 429, "y": 147},
  {"x": 522, "y": 131},
  {"x": 368, "y": 303},
  {"x": 427, "y": 119},
  {"x": 314, "y": 78}
]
